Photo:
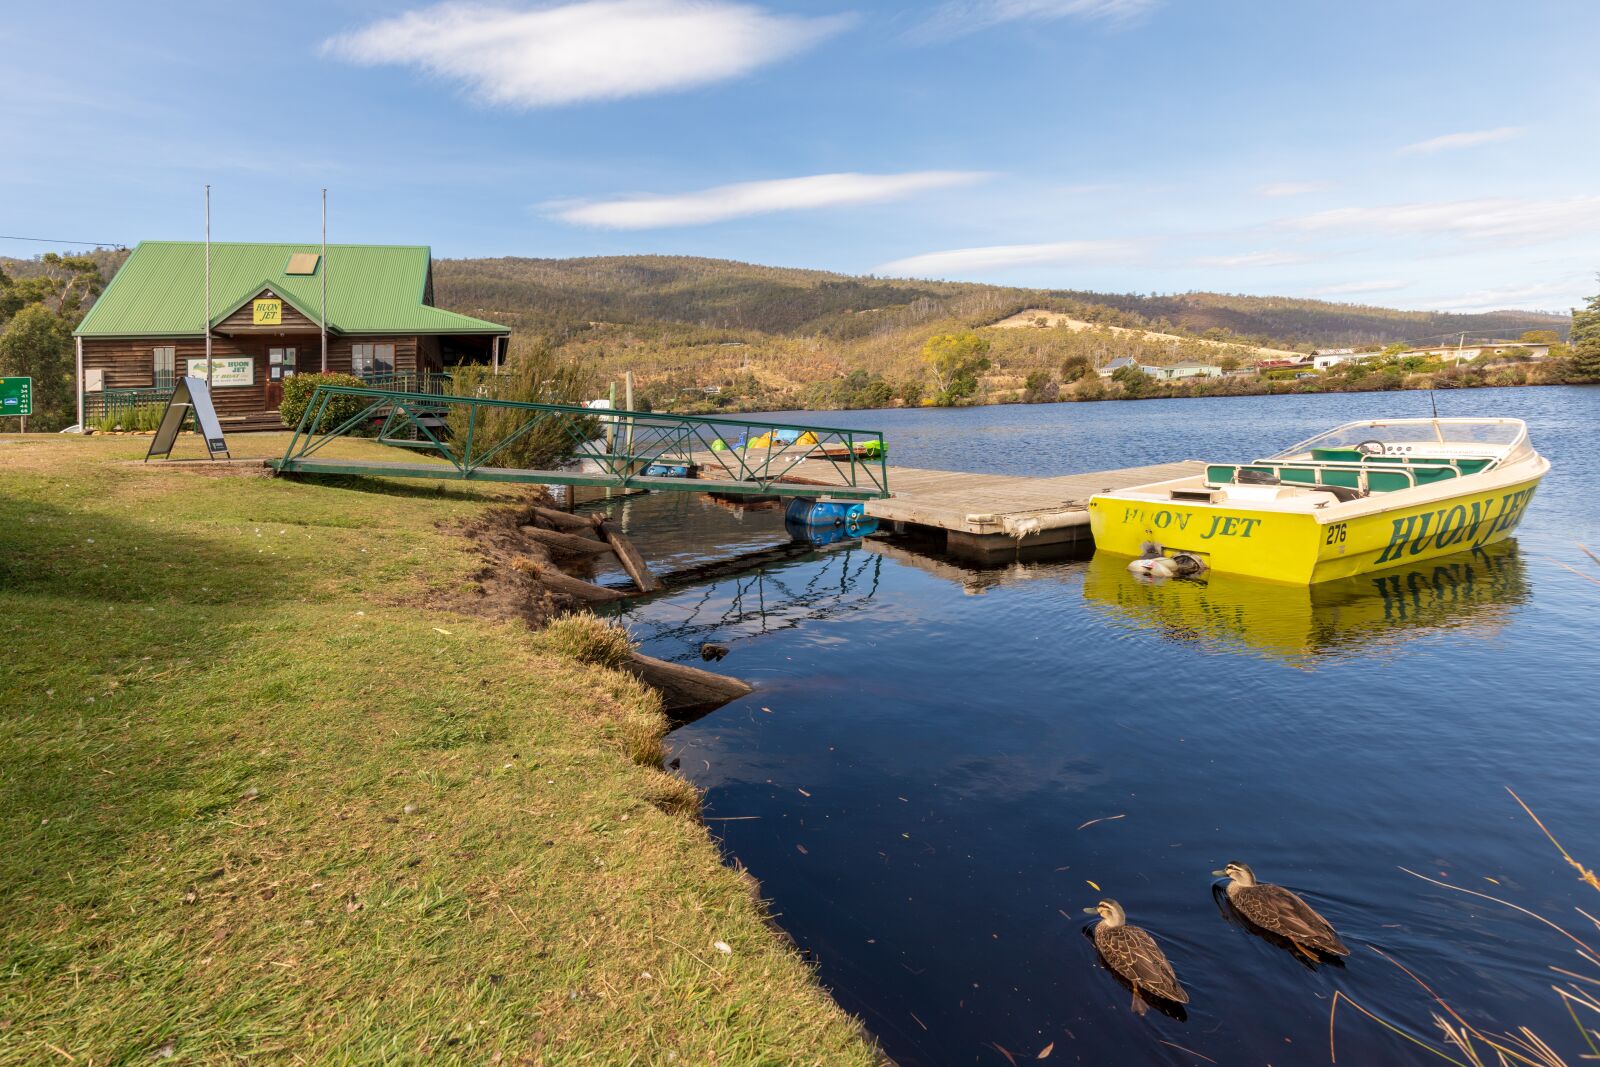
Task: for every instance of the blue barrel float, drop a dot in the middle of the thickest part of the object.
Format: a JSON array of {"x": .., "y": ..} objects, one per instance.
[{"x": 822, "y": 522}]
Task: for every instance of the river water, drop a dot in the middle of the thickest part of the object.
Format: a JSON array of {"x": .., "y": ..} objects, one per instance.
[{"x": 941, "y": 764}]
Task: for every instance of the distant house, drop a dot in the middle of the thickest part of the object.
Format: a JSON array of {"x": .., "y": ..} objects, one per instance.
[
  {"x": 1463, "y": 353},
  {"x": 1117, "y": 364},
  {"x": 271, "y": 305},
  {"x": 1179, "y": 371},
  {"x": 1301, "y": 363},
  {"x": 1333, "y": 358}
]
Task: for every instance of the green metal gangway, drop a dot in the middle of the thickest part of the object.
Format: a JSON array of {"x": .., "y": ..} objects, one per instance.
[{"x": 462, "y": 437}]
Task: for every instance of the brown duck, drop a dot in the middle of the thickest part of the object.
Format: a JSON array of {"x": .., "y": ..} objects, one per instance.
[
  {"x": 1134, "y": 955},
  {"x": 1278, "y": 911}
]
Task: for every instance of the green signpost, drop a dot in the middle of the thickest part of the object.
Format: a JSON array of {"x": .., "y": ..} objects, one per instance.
[{"x": 16, "y": 397}]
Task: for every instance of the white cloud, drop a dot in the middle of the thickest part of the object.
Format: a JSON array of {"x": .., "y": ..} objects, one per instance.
[
  {"x": 957, "y": 17},
  {"x": 1275, "y": 189},
  {"x": 756, "y": 198},
  {"x": 1386, "y": 285},
  {"x": 1252, "y": 259},
  {"x": 1502, "y": 219},
  {"x": 966, "y": 261},
  {"x": 1554, "y": 295},
  {"x": 588, "y": 50},
  {"x": 1467, "y": 139}
]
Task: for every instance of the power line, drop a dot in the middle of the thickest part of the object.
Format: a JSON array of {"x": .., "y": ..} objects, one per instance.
[{"x": 53, "y": 241}]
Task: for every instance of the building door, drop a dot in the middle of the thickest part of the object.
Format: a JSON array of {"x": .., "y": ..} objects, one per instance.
[{"x": 280, "y": 365}]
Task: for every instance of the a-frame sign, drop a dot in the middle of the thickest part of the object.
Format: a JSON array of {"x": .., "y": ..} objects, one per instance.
[{"x": 189, "y": 395}]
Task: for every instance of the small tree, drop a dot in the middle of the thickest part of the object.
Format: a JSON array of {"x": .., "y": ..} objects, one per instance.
[
  {"x": 37, "y": 344},
  {"x": 1585, "y": 360},
  {"x": 1134, "y": 381},
  {"x": 1075, "y": 367},
  {"x": 956, "y": 360},
  {"x": 1540, "y": 337}
]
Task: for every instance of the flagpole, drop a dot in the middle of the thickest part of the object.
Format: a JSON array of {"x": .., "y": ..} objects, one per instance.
[
  {"x": 208, "y": 287},
  {"x": 324, "y": 281}
]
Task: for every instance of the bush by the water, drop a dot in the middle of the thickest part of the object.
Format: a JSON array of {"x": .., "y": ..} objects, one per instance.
[
  {"x": 532, "y": 376},
  {"x": 297, "y": 392}
]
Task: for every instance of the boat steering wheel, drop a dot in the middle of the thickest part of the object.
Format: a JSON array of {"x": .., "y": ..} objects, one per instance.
[{"x": 1371, "y": 448}]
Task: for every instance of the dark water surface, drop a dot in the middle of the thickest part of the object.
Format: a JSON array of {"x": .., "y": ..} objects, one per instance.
[{"x": 939, "y": 761}]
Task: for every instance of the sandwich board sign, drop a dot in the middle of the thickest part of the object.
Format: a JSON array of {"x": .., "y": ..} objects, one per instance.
[
  {"x": 190, "y": 395},
  {"x": 16, "y": 396}
]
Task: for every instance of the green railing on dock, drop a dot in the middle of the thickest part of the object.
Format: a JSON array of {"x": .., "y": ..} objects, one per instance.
[{"x": 613, "y": 449}]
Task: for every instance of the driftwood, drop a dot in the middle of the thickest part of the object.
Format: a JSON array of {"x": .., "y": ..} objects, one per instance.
[
  {"x": 630, "y": 559},
  {"x": 560, "y": 520},
  {"x": 571, "y": 544},
  {"x": 553, "y": 578},
  {"x": 686, "y": 689}
]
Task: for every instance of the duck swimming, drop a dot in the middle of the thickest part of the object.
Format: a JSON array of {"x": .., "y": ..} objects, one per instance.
[
  {"x": 1278, "y": 911},
  {"x": 1134, "y": 955}
]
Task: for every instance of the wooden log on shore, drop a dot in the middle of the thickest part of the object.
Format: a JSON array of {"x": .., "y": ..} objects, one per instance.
[
  {"x": 684, "y": 688},
  {"x": 556, "y": 580},
  {"x": 630, "y": 559},
  {"x": 573, "y": 524},
  {"x": 571, "y": 544}
]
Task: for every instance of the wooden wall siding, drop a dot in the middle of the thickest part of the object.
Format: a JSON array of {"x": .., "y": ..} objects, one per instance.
[
  {"x": 240, "y": 321},
  {"x": 130, "y": 364}
]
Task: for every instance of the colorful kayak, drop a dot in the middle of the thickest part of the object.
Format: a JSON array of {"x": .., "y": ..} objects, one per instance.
[{"x": 1362, "y": 497}]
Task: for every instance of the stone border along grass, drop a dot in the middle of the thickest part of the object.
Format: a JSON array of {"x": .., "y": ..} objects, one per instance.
[{"x": 267, "y": 794}]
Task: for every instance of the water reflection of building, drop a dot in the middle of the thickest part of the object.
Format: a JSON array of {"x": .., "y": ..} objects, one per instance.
[{"x": 1470, "y": 591}]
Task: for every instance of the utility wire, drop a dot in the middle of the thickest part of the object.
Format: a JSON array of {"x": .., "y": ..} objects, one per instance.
[{"x": 53, "y": 241}]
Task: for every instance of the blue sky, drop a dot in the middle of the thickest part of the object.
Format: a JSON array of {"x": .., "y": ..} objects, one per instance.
[{"x": 1409, "y": 153}]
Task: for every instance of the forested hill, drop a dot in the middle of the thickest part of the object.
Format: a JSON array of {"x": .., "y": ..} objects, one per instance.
[{"x": 559, "y": 296}]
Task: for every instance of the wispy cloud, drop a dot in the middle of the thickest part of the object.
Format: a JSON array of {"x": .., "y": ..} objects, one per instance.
[
  {"x": 1269, "y": 258},
  {"x": 1385, "y": 285},
  {"x": 1276, "y": 189},
  {"x": 955, "y": 18},
  {"x": 1562, "y": 294},
  {"x": 966, "y": 261},
  {"x": 589, "y": 50},
  {"x": 1502, "y": 219},
  {"x": 755, "y": 198},
  {"x": 1466, "y": 139}
]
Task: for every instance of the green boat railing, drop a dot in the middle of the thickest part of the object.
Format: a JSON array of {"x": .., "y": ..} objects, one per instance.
[{"x": 619, "y": 449}]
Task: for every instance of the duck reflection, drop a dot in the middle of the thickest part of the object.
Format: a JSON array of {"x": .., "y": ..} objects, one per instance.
[{"x": 1474, "y": 591}]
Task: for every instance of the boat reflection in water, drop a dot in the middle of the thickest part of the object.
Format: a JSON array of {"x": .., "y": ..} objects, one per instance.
[{"x": 1473, "y": 590}]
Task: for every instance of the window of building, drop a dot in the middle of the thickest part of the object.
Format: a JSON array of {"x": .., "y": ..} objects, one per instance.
[
  {"x": 368, "y": 360},
  {"x": 281, "y": 363},
  {"x": 165, "y": 359}
]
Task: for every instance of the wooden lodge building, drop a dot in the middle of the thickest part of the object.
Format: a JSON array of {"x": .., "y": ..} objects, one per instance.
[{"x": 267, "y": 322}]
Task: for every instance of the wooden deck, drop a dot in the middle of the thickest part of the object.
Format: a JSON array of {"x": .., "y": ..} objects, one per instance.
[{"x": 987, "y": 516}]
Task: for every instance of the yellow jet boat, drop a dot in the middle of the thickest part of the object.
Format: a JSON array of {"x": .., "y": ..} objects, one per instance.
[{"x": 1362, "y": 497}]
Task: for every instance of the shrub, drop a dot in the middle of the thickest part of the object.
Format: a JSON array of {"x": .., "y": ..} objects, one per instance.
[
  {"x": 297, "y": 391},
  {"x": 139, "y": 418},
  {"x": 534, "y": 376}
]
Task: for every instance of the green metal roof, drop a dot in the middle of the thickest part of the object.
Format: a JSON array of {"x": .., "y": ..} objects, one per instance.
[{"x": 159, "y": 292}]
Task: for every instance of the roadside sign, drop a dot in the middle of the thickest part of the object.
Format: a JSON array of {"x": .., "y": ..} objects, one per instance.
[
  {"x": 16, "y": 396},
  {"x": 189, "y": 396}
]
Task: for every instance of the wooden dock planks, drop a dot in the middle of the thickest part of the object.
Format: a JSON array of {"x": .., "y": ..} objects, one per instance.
[{"x": 982, "y": 503}]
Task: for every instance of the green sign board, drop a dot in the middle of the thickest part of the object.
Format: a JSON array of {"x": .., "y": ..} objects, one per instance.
[{"x": 16, "y": 396}]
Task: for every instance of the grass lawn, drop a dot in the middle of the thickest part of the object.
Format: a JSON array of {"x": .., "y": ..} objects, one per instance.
[{"x": 264, "y": 797}]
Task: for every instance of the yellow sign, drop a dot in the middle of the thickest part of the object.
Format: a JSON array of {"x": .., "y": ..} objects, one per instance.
[{"x": 267, "y": 313}]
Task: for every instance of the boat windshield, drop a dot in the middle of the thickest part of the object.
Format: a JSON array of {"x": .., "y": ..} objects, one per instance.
[{"x": 1480, "y": 436}]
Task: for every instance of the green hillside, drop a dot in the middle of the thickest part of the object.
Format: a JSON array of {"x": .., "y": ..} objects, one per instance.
[{"x": 764, "y": 336}]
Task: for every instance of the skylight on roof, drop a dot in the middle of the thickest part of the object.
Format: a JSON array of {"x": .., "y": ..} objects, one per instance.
[{"x": 302, "y": 263}]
